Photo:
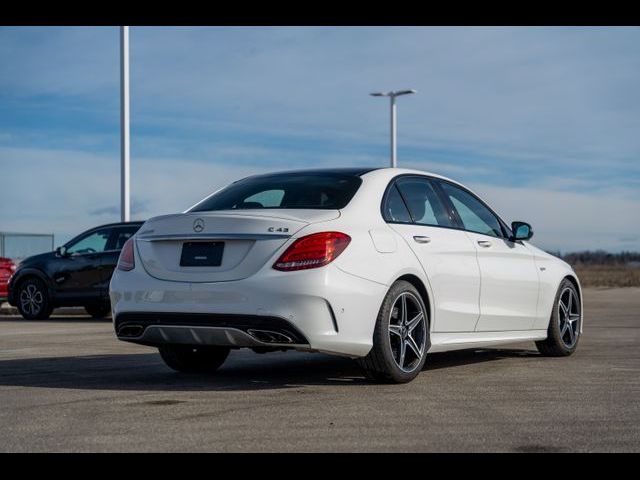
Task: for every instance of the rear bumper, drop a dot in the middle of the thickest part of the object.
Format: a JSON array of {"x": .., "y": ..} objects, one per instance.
[
  {"x": 157, "y": 328},
  {"x": 322, "y": 309}
]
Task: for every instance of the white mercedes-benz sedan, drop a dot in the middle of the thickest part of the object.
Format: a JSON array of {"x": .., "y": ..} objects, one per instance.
[{"x": 382, "y": 265}]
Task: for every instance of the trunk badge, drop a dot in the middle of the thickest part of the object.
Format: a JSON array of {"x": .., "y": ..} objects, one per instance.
[{"x": 198, "y": 225}]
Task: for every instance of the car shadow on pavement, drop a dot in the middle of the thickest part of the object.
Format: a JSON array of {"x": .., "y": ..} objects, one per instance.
[
  {"x": 243, "y": 371},
  {"x": 436, "y": 361},
  {"x": 86, "y": 319}
]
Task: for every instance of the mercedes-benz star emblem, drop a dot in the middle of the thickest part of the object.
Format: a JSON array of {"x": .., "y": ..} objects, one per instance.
[{"x": 198, "y": 225}]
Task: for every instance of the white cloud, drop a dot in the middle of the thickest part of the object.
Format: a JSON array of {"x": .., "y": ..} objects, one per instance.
[
  {"x": 65, "y": 191},
  {"x": 570, "y": 221},
  {"x": 82, "y": 190}
]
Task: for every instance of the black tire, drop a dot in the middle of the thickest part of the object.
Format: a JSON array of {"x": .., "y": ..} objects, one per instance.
[
  {"x": 33, "y": 300},
  {"x": 98, "y": 311},
  {"x": 193, "y": 359},
  {"x": 562, "y": 341},
  {"x": 382, "y": 362}
]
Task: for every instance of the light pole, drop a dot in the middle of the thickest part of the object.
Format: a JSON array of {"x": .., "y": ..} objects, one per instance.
[
  {"x": 392, "y": 97},
  {"x": 125, "y": 200}
]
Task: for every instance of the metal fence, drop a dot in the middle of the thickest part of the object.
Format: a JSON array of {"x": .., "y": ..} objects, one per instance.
[{"x": 18, "y": 246}]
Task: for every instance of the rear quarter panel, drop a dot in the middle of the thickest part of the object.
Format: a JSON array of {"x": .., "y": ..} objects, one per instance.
[{"x": 376, "y": 253}]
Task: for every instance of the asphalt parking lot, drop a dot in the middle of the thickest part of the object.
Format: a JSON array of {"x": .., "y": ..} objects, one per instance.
[{"x": 66, "y": 384}]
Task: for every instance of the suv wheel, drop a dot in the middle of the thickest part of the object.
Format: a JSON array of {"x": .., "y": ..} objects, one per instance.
[{"x": 33, "y": 300}]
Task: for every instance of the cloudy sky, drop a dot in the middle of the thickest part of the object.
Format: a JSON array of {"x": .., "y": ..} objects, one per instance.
[{"x": 542, "y": 122}]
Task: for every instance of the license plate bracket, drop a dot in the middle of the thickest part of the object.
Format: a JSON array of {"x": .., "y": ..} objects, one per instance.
[{"x": 201, "y": 254}]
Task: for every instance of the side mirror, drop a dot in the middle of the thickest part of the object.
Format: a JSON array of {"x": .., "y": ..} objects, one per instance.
[
  {"x": 521, "y": 231},
  {"x": 61, "y": 251}
]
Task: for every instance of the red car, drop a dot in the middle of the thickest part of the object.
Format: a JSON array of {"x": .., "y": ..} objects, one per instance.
[{"x": 7, "y": 267}]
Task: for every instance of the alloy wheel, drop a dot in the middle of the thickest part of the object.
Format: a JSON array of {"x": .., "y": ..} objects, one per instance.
[
  {"x": 569, "y": 317},
  {"x": 407, "y": 331},
  {"x": 31, "y": 299}
]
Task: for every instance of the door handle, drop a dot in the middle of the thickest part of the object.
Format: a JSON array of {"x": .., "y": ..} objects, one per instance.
[
  {"x": 484, "y": 243},
  {"x": 421, "y": 239}
]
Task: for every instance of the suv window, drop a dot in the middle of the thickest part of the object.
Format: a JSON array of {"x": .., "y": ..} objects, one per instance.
[
  {"x": 394, "y": 208},
  {"x": 94, "y": 242},
  {"x": 475, "y": 216},
  {"x": 425, "y": 206},
  {"x": 288, "y": 190},
  {"x": 120, "y": 236}
]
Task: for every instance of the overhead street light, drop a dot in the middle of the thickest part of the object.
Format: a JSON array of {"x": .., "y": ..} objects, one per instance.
[{"x": 392, "y": 97}]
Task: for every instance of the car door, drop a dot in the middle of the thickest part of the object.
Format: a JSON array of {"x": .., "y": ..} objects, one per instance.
[
  {"x": 119, "y": 235},
  {"x": 78, "y": 274},
  {"x": 414, "y": 210},
  {"x": 509, "y": 277}
]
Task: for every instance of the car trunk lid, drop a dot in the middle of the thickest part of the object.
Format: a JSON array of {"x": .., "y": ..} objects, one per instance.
[{"x": 248, "y": 238}]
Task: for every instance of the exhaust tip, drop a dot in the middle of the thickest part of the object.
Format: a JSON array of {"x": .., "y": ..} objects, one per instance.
[
  {"x": 130, "y": 331},
  {"x": 268, "y": 336}
]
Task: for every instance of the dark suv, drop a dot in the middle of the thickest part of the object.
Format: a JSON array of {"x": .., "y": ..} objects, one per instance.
[{"x": 76, "y": 274}]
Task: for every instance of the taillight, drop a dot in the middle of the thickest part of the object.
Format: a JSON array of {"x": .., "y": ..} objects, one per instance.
[
  {"x": 126, "y": 261},
  {"x": 312, "y": 251}
]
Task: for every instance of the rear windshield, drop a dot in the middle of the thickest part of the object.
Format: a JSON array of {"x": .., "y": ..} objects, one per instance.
[{"x": 308, "y": 191}]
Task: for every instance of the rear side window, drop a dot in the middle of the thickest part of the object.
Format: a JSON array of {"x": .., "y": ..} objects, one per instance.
[
  {"x": 394, "y": 208},
  {"x": 120, "y": 235},
  {"x": 293, "y": 190},
  {"x": 425, "y": 206}
]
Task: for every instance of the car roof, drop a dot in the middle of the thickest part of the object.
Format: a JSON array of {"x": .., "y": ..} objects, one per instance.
[
  {"x": 395, "y": 171},
  {"x": 354, "y": 171},
  {"x": 118, "y": 224},
  {"x": 107, "y": 225},
  {"x": 110, "y": 225},
  {"x": 348, "y": 171}
]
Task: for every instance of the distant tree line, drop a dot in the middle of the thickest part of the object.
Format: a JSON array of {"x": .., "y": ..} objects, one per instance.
[{"x": 599, "y": 257}]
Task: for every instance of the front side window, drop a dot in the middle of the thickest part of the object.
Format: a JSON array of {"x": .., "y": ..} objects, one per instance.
[
  {"x": 425, "y": 206},
  {"x": 289, "y": 190},
  {"x": 475, "y": 216},
  {"x": 95, "y": 242}
]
